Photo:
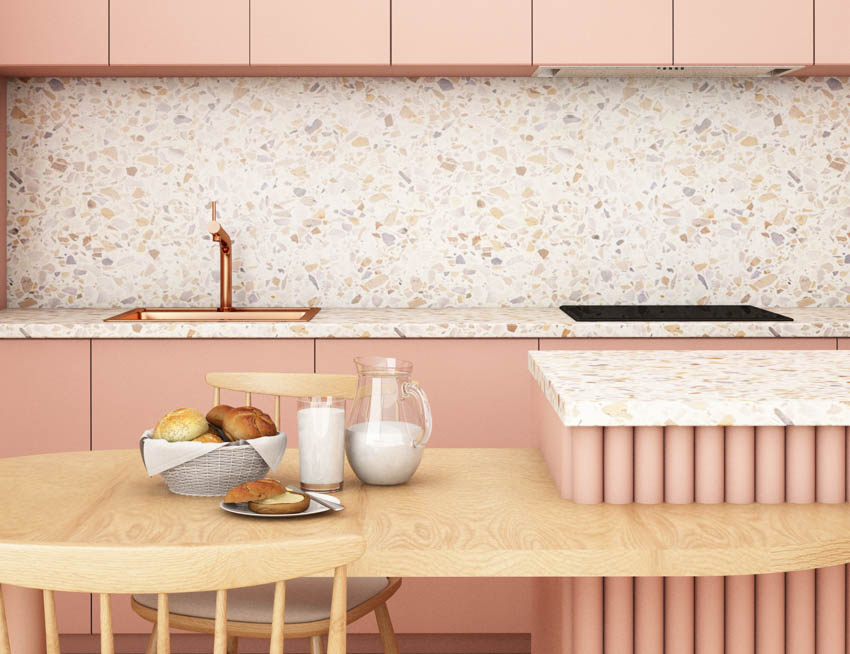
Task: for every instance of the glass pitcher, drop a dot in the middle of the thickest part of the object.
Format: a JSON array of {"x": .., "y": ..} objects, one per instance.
[{"x": 389, "y": 423}]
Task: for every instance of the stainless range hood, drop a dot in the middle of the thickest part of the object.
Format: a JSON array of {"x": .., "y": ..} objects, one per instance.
[{"x": 665, "y": 71}]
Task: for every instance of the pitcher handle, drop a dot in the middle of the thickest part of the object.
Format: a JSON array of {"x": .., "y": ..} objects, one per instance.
[{"x": 413, "y": 388}]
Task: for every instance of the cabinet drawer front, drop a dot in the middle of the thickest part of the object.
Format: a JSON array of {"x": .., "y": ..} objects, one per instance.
[
  {"x": 461, "y": 32},
  {"x": 729, "y": 32},
  {"x": 832, "y": 32},
  {"x": 603, "y": 32},
  {"x": 320, "y": 32},
  {"x": 54, "y": 32},
  {"x": 178, "y": 32}
]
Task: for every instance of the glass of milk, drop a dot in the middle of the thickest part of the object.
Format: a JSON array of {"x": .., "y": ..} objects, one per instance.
[{"x": 321, "y": 442}]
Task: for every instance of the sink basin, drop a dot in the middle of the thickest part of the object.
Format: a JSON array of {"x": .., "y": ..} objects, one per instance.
[{"x": 237, "y": 314}]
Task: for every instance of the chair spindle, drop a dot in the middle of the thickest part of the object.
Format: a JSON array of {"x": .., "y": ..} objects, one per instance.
[
  {"x": 278, "y": 618},
  {"x": 5, "y": 647},
  {"x": 339, "y": 602},
  {"x": 107, "y": 641},
  {"x": 216, "y": 396},
  {"x": 277, "y": 411},
  {"x": 220, "y": 642},
  {"x": 51, "y": 631},
  {"x": 163, "y": 641},
  {"x": 247, "y": 399}
]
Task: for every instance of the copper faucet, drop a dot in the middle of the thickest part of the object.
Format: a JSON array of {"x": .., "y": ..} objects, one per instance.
[{"x": 226, "y": 250}]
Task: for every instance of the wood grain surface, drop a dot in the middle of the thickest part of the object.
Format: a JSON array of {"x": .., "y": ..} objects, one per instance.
[{"x": 466, "y": 512}]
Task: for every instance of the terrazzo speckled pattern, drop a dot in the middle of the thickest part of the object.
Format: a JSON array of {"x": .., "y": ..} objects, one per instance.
[
  {"x": 510, "y": 322},
  {"x": 430, "y": 192},
  {"x": 695, "y": 389}
]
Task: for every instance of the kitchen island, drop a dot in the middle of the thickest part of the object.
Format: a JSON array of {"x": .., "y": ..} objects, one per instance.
[{"x": 762, "y": 429}]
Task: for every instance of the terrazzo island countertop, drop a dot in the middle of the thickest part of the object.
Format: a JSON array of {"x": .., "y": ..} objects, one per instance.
[
  {"x": 747, "y": 388},
  {"x": 511, "y": 322}
]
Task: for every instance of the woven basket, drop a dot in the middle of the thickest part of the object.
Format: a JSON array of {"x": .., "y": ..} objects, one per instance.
[{"x": 216, "y": 472}]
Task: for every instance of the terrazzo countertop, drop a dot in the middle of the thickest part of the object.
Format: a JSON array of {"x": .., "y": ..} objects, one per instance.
[
  {"x": 512, "y": 322},
  {"x": 747, "y": 388}
]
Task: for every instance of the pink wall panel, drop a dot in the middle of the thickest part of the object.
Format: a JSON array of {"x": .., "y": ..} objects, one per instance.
[
  {"x": 770, "y": 32},
  {"x": 320, "y": 32},
  {"x": 689, "y": 343},
  {"x": 491, "y": 32},
  {"x": 609, "y": 32},
  {"x": 832, "y": 32},
  {"x": 48, "y": 383},
  {"x": 50, "y": 33},
  {"x": 178, "y": 32}
]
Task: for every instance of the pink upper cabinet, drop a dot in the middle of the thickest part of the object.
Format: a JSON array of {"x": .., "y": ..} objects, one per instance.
[
  {"x": 832, "y": 32},
  {"x": 178, "y": 32},
  {"x": 461, "y": 32},
  {"x": 732, "y": 32},
  {"x": 603, "y": 32},
  {"x": 54, "y": 32},
  {"x": 320, "y": 32}
]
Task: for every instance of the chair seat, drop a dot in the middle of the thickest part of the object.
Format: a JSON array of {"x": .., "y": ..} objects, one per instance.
[{"x": 307, "y": 599}]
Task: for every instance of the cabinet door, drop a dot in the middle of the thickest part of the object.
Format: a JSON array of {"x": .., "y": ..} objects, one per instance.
[
  {"x": 320, "y": 32},
  {"x": 457, "y": 32},
  {"x": 47, "y": 384},
  {"x": 832, "y": 32},
  {"x": 54, "y": 32},
  {"x": 603, "y": 32},
  {"x": 730, "y": 32},
  {"x": 480, "y": 394},
  {"x": 178, "y": 32},
  {"x": 135, "y": 382}
]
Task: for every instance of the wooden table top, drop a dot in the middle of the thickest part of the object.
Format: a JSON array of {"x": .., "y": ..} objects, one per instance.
[{"x": 466, "y": 512}]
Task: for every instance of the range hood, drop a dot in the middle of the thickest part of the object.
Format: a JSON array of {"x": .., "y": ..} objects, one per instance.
[{"x": 665, "y": 71}]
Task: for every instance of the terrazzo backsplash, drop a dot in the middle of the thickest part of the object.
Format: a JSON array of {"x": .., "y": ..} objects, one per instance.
[{"x": 352, "y": 192}]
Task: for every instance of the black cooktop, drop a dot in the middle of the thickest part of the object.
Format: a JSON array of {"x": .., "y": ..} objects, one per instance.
[{"x": 670, "y": 313}]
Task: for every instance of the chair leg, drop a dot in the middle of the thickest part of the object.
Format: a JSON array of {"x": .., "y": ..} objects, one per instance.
[
  {"x": 232, "y": 645},
  {"x": 385, "y": 628},
  {"x": 316, "y": 646},
  {"x": 151, "y": 648}
]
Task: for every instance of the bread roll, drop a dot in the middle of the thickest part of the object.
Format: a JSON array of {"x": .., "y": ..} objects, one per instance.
[
  {"x": 286, "y": 502},
  {"x": 246, "y": 422},
  {"x": 181, "y": 425},
  {"x": 217, "y": 413},
  {"x": 209, "y": 437},
  {"x": 254, "y": 490}
]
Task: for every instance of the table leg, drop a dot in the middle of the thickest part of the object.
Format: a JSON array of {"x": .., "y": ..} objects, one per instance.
[{"x": 25, "y": 617}]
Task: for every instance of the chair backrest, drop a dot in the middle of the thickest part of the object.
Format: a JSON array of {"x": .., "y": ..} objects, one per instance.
[{"x": 282, "y": 384}]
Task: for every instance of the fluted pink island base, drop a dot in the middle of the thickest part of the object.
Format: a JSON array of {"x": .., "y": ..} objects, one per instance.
[{"x": 792, "y": 613}]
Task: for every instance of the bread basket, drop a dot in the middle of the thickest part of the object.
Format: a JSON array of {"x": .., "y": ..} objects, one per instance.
[{"x": 212, "y": 468}]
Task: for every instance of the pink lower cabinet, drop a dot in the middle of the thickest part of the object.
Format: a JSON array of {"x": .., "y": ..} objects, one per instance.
[
  {"x": 481, "y": 394},
  {"x": 134, "y": 382},
  {"x": 755, "y": 32},
  {"x": 47, "y": 383},
  {"x": 461, "y": 32},
  {"x": 178, "y": 32},
  {"x": 320, "y": 32},
  {"x": 54, "y": 33},
  {"x": 603, "y": 32}
]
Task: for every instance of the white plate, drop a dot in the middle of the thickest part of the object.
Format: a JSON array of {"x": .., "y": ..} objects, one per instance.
[{"x": 241, "y": 508}]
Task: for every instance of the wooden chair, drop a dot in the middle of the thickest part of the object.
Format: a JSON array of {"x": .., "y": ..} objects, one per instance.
[
  {"x": 309, "y": 603},
  {"x": 119, "y": 565}
]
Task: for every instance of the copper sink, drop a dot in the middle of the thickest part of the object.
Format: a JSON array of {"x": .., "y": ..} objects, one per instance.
[{"x": 236, "y": 314}]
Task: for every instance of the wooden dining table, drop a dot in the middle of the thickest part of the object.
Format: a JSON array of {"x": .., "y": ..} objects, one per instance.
[{"x": 465, "y": 513}]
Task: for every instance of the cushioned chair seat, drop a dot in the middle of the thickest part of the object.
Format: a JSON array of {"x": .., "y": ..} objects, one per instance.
[{"x": 307, "y": 599}]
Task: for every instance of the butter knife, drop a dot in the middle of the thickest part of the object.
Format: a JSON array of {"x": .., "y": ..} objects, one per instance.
[{"x": 333, "y": 506}]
